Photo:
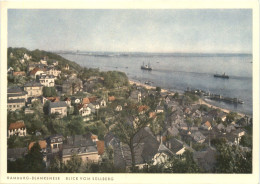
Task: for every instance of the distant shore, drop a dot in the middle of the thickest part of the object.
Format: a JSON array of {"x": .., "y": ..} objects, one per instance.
[{"x": 201, "y": 101}]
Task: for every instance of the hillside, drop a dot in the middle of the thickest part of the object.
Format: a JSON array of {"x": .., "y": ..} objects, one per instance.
[{"x": 18, "y": 63}]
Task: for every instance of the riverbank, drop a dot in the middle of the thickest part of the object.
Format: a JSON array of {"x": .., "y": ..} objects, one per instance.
[{"x": 201, "y": 101}]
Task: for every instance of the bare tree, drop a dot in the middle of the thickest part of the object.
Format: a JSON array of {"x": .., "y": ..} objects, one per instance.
[{"x": 127, "y": 129}]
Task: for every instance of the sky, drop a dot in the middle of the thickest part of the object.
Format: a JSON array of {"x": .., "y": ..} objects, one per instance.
[{"x": 150, "y": 30}]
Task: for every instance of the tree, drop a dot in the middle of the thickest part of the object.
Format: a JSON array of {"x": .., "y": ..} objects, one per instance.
[
  {"x": 56, "y": 165},
  {"x": 183, "y": 164},
  {"x": 231, "y": 117},
  {"x": 158, "y": 89},
  {"x": 73, "y": 165},
  {"x": 34, "y": 160},
  {"x": 49, "y": 91},
  {"x": 231, "y": 159},
  {"x": 128, "y": 125}
]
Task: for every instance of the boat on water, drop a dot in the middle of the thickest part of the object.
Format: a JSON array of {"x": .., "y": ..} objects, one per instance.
[
  {"x": 146, "y": 67},
  {"x": 224, "y": 76}
]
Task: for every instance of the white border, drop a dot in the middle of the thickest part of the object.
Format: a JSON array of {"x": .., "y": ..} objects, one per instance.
[{"x": 133, "y": 178}]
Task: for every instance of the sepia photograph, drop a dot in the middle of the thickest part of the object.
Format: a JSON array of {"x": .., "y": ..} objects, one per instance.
[{"x": 110, "y": 93}]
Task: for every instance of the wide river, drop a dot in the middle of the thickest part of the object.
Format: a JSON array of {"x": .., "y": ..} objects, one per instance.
[{"x": 177, "y": 72}]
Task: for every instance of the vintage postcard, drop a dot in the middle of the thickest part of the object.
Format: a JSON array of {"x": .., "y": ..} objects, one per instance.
[{"x": 130, "y": 92}]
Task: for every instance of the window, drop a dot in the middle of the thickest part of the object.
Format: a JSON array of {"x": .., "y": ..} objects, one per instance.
[
  {"x": 55, "y": 146},
  {"x": 60, "y": 139}
]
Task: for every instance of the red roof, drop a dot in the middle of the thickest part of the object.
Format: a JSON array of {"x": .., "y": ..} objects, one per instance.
[
  {"x": 143, "y": 108},
  {"x": 42, "y": 144},
  {"x": 111, "y": 98},
  {"x": 208, "y": 124},
  {"x": 36, "y": 69},
  {"x": 92, "y": 99},
  {"x": 100, "y": 147},
  {"x": 16, "y": 125},
  {"x": 53, "y": 99},
  {"x": 19, "y": 73},
  {"x": 85, "y": 100}
]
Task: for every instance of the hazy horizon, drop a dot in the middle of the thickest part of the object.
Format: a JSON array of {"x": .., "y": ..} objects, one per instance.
[{"x": 146, "y": 31}]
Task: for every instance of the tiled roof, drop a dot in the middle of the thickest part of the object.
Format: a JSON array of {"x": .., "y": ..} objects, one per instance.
[
  {"x": 207, "y": 124},
  {"x": 111, "y": 98},
  {"x": 92, "y": 99},
  {"x": 100, "y": 147},
  {"x": 85, "y": 100},
  {"x": 16, "y": 125},
  {"x": 42, "y": 144}
]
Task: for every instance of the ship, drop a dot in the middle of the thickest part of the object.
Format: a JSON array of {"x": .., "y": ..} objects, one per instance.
[
  {"x": 146, "y": 67},
  {"x": 224, "y": 76}
]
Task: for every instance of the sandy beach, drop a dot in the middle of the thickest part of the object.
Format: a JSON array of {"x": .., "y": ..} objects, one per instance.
[{"x": 201, "y": 101}]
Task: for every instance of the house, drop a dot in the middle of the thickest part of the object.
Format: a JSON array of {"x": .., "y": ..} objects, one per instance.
[
  {"x": 136, "y": 96},
  {"x": 37, "y": 72},
  {"x": 35, "y": 65},
  {"x": 59, "y": 108},
  {"x": 84, "y": 110},
  {"x": 16, "y": 93},
  {"x": 67, "y": 67},
  {"x": 72, "y": 86},
  {"x": 15, "y": 104},
  {"x": 43, "y": 61},
  {"x": 172, "y": 131},
  {"x": 82, "y": 146},
  {"x": 28, "y": 111},
  {"x": 34, "y": 89},
  {"x": 206, "y": 126},
  {"x": 197, "y": 136},
  {"x": 183, "y": 126},
  {"x": 176, "y": 146},
  {"x": 102, "y": 103},
  {"x": 53, "y": 71},
  {"x": 119, "y": 108},
  {"x": 159, "y": 109},
  {"x": 93, "y": 107},
  {"x": 22, "y": 73},
  {"x": 55, "y": 143},
  {"x": 18, "y": 128},
  {"x": 46, "y": 80},
  {"x": 10, "y": 70},
  {"x": 27, "y": 57},
  {"x": 67, "y": 101},
  {"x": 15, "y": 153}
]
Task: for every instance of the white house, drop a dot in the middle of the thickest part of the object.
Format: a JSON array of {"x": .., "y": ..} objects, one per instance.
[
  {"x": 17, "y": 128},
  {"x": 47, "y": 80}
]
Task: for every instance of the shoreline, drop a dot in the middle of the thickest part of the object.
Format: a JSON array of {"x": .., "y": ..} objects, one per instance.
[{"x": 201, "y": 101}]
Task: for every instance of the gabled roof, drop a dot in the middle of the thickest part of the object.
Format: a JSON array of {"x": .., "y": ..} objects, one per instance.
[
  {"x": 16, "y": 125},
  {"x": 142, "y": 108},
  {"x": 175, "y": 145},
  {"x": 53, "y": 99},
  {"x": 207, "y": 124}
]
